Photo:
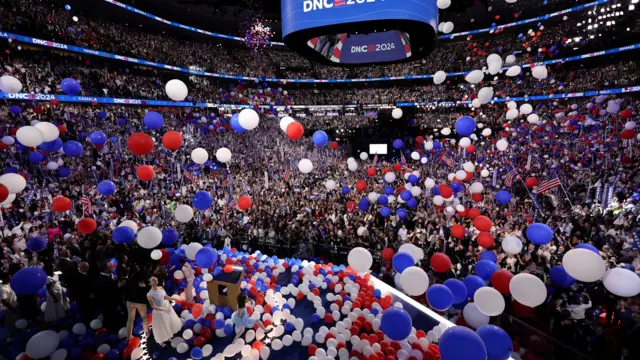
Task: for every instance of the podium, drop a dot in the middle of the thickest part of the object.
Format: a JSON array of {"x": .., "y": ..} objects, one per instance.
[{"x": 224, "y": 289}]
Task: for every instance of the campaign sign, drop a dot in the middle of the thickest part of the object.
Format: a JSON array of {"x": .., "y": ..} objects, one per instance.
[{"x": 376, "y": 47}]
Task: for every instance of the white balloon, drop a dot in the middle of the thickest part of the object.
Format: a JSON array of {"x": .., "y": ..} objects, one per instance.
[
  {"x": 461, "y": 174},
  {"x": 305, "y": 166},
  {"x": 10, "y": 85},
  {"x": 179, "y": 275},
  {"x": 476, "y": 187},
  {"x": 464, "y": 142},
  {"x": 446, "y": 131},
  {"x": 52, "y": 165},
  {"x": 416, "y": 191},
  {"x": 192, "y": 249},
  {"x": 95, "y": 324},
  {"x": 137, "y": 353},
  {"x": 510, "y": 59},
  {"x": 8, "y": 140},
  {"x": 364, "y": 156},
  {"x": 528, "y": 289},
  {"x": 223, "y": 155},
  {"x": 207, "y": 350},
  {"x": 42, "y": 344},
  {"x": 512, "y": 114},
  {"x": 584, "y": 265},
  {"x": 443, "y": 4},
  {"x": 485, "y": 94},
  {"x": 30, "y": 136},
  {"x": 330, "y": 185},
  {"x": 360, "y": 259},
  {"x": 502, "y": 145},
  {"x": 447, "y": 27},
  {"x": 176, "y": 90},
  {"x": 183, "y": 213},
  {"x": 493, "y": 59},
  {"x": 429, "y": 183},
  {"x": 533, "y": 119},
  {"x": 416, "y": 252},
  {"x": 156, "y": 254},
  {"x": 248, "y": 119},
  {"x": 149, "y": 237},
  {"x": 284, "y": 122},
  {"x": 50, "y": 132},
  {"x": 476, "y": 103},
  {"x": 539, "y": 72},
  {"x": 373, "y": 197},
  {"x": 512, "y": 105},
  {"x": 468, "y": 166},
  {"x": 15, "y": 183},
  {"x": 428, "y": 145},
  {"x": 439, "y": 77},
  {"x": 131, "y": 224},
  {"x": 526, "y": 109},
  {"x": 486, "y": 132},
  {"x": 438, "y": 200},
  {"x": 60, "y": 354},
  {"x": 515, "y": 70},
  {"x": 414, "y": 281},
  {"x": 474, "y": 77},
  {"x": 489, "y": 301},
  {"x": 199, "y": 156},
  {"x": 622, "y": 282},
  {"x": 388, "y": 177},
  {"x": 512, "y": 245},
  {"x": 474, "y": 317},
  {"x": 183, "y": 348},
  {"x": 415, "y": 155},
  {"x": 484, "y": 173},
  {"x": 396, "y": 113}
]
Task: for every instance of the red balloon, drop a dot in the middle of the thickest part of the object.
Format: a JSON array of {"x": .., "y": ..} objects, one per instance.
[
  {"x": 140, "y": 143},
  {"x": 419, "y": 139},
  {"x": 371, "y": 172},
  {"x": 477, "y": 197},
  {"x": 361, "y": 185},
  {"x": 61, "y": 204},
  {"x": 520, "y": 310},
  {"x": 98, "y": 356},
  {"x": 482, "y": 223},
  {"x": 457, "y": 231},
  {"x": 351, "y": 206},
  {"x": 445, "y": 191},
  {"x": 196, "y": 311},
  {"x": 295, "y": 130},
  {"x": 500, "y": 281},
  {"x": 199, "y": 341},
  {"x": 244, "y": 203},
  {"x": 627, "y": 134},
  {"x": 473, "y": 213},
  {"x": 334, "y": 145},
  {"x": 144, "y": 172},
  {"x": 312, "y": 349},
  {"x": 172, "y": 140},
  {"x": 485, "y": 239},
  {"x": 440, "y": 262},
  {"x": 4, "y": 193},
  {"x": 626, "y": 113},
  {"x": 531, "y": 182},
  {"x": 87, "y": 226},
  {"x": 387, "y": 254},
  {"x": 257, "y": 345},
  {"x": 134, "y": 342},
  {"x": 228, "y": 269},
  {"x": 470, "y": 149},
  {"x": 397, "y": 167}
]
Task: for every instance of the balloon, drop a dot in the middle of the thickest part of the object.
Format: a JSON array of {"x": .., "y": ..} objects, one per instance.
[
  {"x": 497, "y": 341},
  {"x": 172, "y": 140},
  {"x": 130, "y": 223},
  {"x": 447, "y": 28},
  {"x": 96, "y": 137},
  {"x": 396, "y": 113},
  {"x": 485, "y": 269},
  {"x": 106, "y": 187},
  {"x": 396, "y": 323},
  {"x": 402, "y": 261},
  {"x": 583, "y": 265},
  {"x": 465, "y": 125},
  {"x": 512, "y": 245},
  {"x": 503, "y": 197},
  {"x": 123, "y": 235},
  {"x": 37, "y": 244},
  {"x": 459, "y": 290},
  {"x": 622, "y": 282},
  {"x": 70, "y": 86},
  {"x": 235, "y": 124},
  {"x": 485, "y": 239},
  {"x": 560, "y": 277},
  {"x": 153, "y": 120},
  {"x": 440, "y": 76},
  {"x": 473, "y": 316},
  {"x": 539, "y": 233},
  {"x": 248, "y": 119},
  {"x": 4, "y": 193},
  {"x": 42, "y": 344},
  {"x": 539, "y": 72},
  {"x": 149, "y": 237},
  {"x": 61, "y": 204},
  {"x": 199, "y": 156},
  {"x": 502, "y": 145},
  {"x": 284, "y": 123},
  {"x": 461, "y": 343},
  {"x": 183, "y": 213},
  {"x": 360, "y": 259},
  {"x": 202, "y": 200},
  {"x": 528, "y": 290},
  {"x": 176, "y": 90},
  {"x": 145, "y": 172},
  {"x": 223, "y": 155},
  {"x": 473, "y": 283},
  {"x": 206, "y": 257},
  {"x": 295, "y": 130},
  {"x": 305, "y": 166},
  {"x": 50, "y": 132},
  {"x": 169, "y": 236},
  {"x": 482, "y": 223},
  {"x": 489, "y": 301},
  {"x": 10, "y": 85},
  {"x": 28, "y": 281},
  {"x": 192, "y": 250},
  {"x": 440, "y": 262},
  {"x": 15, "y": 183},
  {"x": 414, "y": 281},
  {"x": 387, "y": 254},
  {"x": 440, "y": 297},
  {"x": 588, "y": 247},
  {"x": 398, "y": 144},
  {"x": 30, "y": 136},
  {"x": 87, "y": 226},
  {"x": 500, "y": 281},
  {"x": 244, "y": 203},
  {"x": 139, "y": 144}
]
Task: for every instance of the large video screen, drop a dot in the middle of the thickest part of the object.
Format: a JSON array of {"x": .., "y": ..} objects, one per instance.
[{"x": 380, "y": 149}]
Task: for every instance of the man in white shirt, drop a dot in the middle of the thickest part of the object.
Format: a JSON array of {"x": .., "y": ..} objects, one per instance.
[{"x": 402, "y": 233}]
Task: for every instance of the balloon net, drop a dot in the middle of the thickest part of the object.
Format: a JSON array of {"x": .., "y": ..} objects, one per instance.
[{"x": 258, "y": 35}]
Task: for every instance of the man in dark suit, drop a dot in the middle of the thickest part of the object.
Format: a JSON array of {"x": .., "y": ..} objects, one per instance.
[
  {"x": 106, "y": 291},
  {"x": 69, "y": 270},
  {"x": 84, "y": 292}
]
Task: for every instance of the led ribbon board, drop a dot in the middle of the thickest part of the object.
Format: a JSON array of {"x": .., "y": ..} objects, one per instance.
[{"x": 359, "y": 32}]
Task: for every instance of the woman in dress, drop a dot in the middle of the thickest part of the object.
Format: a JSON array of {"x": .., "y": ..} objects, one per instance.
[
  {"x": 242, "y": 320},
  {"x": 165, "y": 321}
]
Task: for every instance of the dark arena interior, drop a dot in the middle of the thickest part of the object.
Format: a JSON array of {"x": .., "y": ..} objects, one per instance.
[{"x": 319, "y": 179}]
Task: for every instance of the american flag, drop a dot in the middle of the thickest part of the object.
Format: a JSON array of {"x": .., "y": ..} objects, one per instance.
[
  {"x": 189, "y": 176},
  {"x": 231, "y": 204},
  {"x": 287, "y": 174},
  {"x": 549, "y": 185},
  {"x": 449, "y": 161},
  {"x": 508, "y": 178},
  {"x": 86, "y": 205}
]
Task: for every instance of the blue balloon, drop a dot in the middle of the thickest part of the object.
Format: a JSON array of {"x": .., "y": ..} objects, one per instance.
[
  {"x": 123, "y": 235},
  {"x": 228, "y": 329},
  {"x": 461, "y": 343},
  {"x": 437, "y": 145},
  {"x": 67, "y": 7},
  {"x": 406, "y": 195},
  {"x": 70, "y": 86},
  {"x": 412, "y": 203},
  {"x": 202, "y": 200},
  {"x": 413, "y": 179},
  {"x": 539, "y": 233},
  {"x": 388, "y": 190},
  {"x": 383, "y": 200},
  {"x": 440, "y": 297},
  {"x": 320, "y": 138},
  {"x": 588, "y": 247},
  {"x": 435, "y": 191},
  {"x": 235, "y": 124},
  {"x": 503, "y": 197},
  {"x": 402, "y": 213},
  {"x": 102, "y": 114},
  {"x": 113, "y": 354},
  {"x": 396, "y": 323},
  {"x": 465, "y": 125},
  {"x": 402, "y": 261},
  {"x": 497, "y": 341},
  {"x": 206, "y": 257},
  {"x": 196, "y": 353},
  {"x": 36, "y": 157},
  {"x": 560, "y": 276},
  {"x": 52, "y": 146},
  {"x": 15, "y": 109},
  {"x": 72, "y": 148},
  {"x": 489, "y": 255},
  {"x": 98, "y": 138},
  {"x": 473, "y": 283},
  {"x": 486, "y": 268},
  {"x": 315, "y": 318},
  {"x": 398, "y": 144},
  {"x": 153, "y": 120},
  {"x": 106, "y": 187},
  {"x": 64, "y": 172},
  {"x": 385, "y": 211},
  {"x": 169, "y": 236},
  {"x": 456, "y": 187},
  {"x": 37, "y": 244},
  {"x": 458, "y": 288},
  {"x": 363, "y": 205},
  {"x": 27, "y": 281},
  {"x": 345, "y": 190}
]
